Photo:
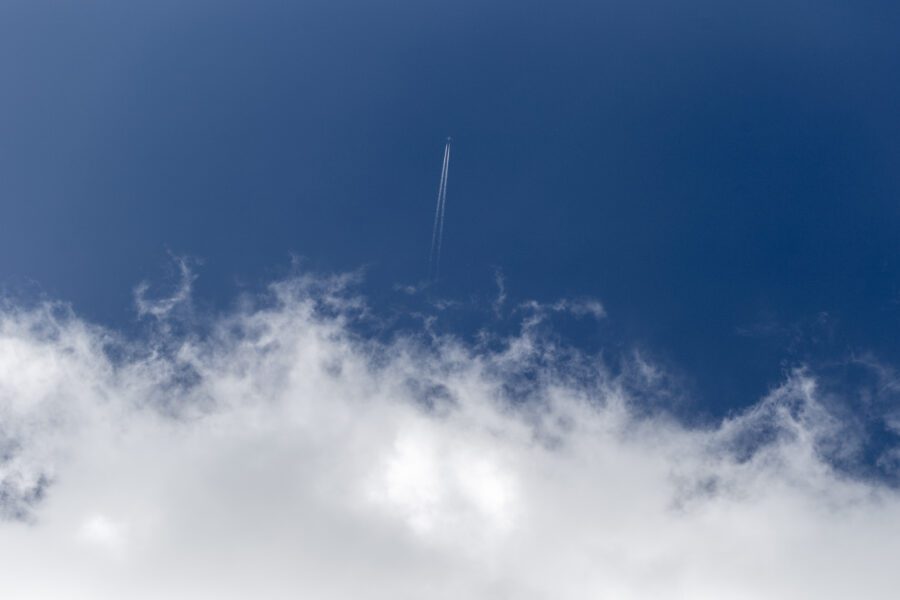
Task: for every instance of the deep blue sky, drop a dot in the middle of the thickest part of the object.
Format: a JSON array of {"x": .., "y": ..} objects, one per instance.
[{"x": 722, "y": 175}]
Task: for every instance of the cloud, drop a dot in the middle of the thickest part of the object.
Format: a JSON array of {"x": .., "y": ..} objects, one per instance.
[
  {"x": 280, "y": 453},
  {"x": 162, "y": 307}
]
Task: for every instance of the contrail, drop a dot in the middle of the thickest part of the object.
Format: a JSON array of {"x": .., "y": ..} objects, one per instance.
[
  {"x": 440, "y": 240},
  {"x": 437, "y": 234},
  {"x": 437, "y": 215}
]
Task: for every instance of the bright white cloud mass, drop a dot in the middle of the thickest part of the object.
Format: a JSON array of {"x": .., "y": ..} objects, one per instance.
[{"x": 276, "y": 452}]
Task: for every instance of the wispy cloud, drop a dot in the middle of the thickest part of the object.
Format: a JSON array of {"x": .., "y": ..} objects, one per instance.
[{"x": 161, "y": 307}]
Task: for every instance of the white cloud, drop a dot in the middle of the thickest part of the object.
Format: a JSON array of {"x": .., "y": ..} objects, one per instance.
[
  {"x": 282, "y": 456},
  {"x": 162, "y": 307}
]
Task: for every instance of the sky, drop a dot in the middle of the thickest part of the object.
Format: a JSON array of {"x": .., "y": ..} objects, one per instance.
[{"x": 660, "y": 360}]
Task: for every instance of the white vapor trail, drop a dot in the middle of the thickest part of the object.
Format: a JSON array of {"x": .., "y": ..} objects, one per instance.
[
  {"x": 437, "y": 216},
  {"x": 440, "y": 241},
  {"x": 437, "y": 235}
]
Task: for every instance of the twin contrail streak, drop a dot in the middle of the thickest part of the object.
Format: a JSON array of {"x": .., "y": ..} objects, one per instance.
[
  {"x": 437, "y": 213},
  {"x": 437, "y": 234}
]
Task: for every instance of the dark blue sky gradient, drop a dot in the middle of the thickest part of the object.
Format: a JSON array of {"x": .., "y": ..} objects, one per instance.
[{"x": 722, "y": 175}]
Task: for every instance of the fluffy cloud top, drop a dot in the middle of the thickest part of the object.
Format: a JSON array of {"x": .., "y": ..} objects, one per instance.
[{"x": 278, "y": 454}]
